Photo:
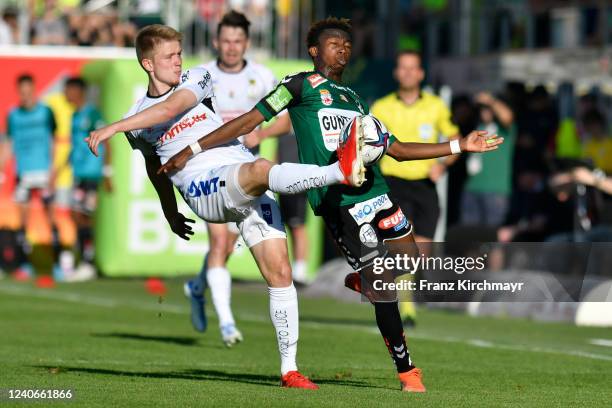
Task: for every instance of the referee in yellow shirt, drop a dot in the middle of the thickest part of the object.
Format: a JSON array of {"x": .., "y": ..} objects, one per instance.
[{"x": 415, "y": 116}]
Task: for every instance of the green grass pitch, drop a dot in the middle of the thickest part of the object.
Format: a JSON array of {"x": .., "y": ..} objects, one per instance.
[{"x": 115, "y": 345}]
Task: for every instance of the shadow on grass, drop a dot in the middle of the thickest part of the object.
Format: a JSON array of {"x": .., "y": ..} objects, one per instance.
[
  {"x": 181, "y": 341},
  {"x": 200, "y": 375}
]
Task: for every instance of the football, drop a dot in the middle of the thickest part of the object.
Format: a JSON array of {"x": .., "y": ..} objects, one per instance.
[{"x": 374, "y": 134}]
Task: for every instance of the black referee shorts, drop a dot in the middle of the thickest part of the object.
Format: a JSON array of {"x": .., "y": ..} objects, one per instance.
[{"x": 419, "y": 201}]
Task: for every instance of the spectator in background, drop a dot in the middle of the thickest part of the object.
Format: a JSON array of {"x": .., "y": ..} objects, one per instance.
[
  {"x": 598, "y": 143},
  {"x": 30, "y": 129},
  {"x": 123, "y": 33},
  {"x": 415, "y": 116},
  {"x": 536, "y": 129},
  {"x": 100, "y": 29},
  {"x": 10, "y": 17},
  {"x": 50, "y": 28},
  {"x": 487, "y": 191},
  {"x": 79, "y": 31},
  {"x": 465, "y": 116},
  {"x": 88, "y": 171},
  {"x": 599, "y": 227},
  {"x": 6, "y": 32}
]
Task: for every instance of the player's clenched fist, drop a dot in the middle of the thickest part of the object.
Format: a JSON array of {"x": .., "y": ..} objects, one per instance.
[
  {"x": 176, "y": 162},
  {"x": 480, "y": 141},
  {"x": 98, "y": 136}
]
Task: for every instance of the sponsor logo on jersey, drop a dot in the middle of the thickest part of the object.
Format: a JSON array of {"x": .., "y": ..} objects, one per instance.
[
  {"x": 205, "y": 187},
  {"x": 279, "y": 99},
  {"x": 205, "y": 80},
  {"x": 366, "y": 210},
  {"x": 368, "y": 236},
  {"x": 316, "y": 80},
  {"x": 397, "y": 221},
  {"x": 331, "y": 122},
  {"x": 326, "y": 97},
  {"x": 426, "y": 131},
  {"x": 266, "y": 212},
  {"x": 177, "y": 128},
  {"x": 184, "y": 76}
]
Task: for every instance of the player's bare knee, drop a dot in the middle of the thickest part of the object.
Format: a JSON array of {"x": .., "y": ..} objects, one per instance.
[
  {"x": 281, "y": 277},
  {"x": 254, "y": 176},
  {"x": 260, "y": 169},
  {"x": 218, "y": 248}
]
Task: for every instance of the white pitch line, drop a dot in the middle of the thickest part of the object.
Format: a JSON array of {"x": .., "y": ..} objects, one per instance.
[
  {"x": 487, "y": 344},
  {"x": 170, "y": 308},
  {"x": 601, "y": 342}
]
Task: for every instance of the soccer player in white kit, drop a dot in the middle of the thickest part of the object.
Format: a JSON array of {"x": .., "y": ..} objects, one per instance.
[
  {"x": 238, "y": 84},
  {"x": 223, "y": 184}
]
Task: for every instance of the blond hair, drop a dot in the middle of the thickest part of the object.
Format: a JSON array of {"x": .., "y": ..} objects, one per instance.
[{"x": 152, "y": 35}]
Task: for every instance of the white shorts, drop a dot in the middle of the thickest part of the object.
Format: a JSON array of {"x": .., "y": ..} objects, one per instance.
[
  {"x": 216, "y": 197},
  {"x": 34, "y": 180}
]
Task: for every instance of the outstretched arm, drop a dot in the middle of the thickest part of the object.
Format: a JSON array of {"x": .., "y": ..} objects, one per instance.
[
  {"x": 477, "y": 141},
  {"x": 177, "y": 103},
  {"x": 281, "y": 126},
  {"x": 229, "y": 131},
  {"x": 178, "y": 222}
]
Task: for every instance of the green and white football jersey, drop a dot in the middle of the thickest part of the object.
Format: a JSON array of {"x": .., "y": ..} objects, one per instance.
[{"x": 319, "y": 107}]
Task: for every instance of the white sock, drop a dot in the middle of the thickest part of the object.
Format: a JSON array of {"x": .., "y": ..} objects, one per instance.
[
  {"x": 285, "y": 318},
  {"x": 299, "y": 271},
  {"x": 220, "y": 284},
  {"x": 293, "y": 178}
]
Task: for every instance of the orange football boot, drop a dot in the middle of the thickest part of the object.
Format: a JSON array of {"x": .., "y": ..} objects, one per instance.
[
  {"x": 294, "y": 379},
  {"x": 411, "y": 381}
]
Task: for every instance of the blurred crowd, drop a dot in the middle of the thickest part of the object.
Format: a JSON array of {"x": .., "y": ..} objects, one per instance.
[
  {"x": 529, "y": 191},
  {"x": 56, "y": 22},
  {"x": 91, "y": 23}
]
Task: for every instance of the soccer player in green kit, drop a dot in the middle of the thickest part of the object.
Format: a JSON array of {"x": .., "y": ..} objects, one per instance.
[{"x": 364, "y": 221}]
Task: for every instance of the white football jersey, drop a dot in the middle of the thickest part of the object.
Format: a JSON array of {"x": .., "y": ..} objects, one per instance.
[
  {"x": 237, "y": 93},
  {"x": 168, "y": 138}
]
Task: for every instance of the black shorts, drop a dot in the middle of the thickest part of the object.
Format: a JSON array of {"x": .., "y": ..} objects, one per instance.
[
  {"x": 360, "y": 230},
  {"x": 293, "y": 209},
  {"x": 85, "y": 196},
  {"x": 419, "y": 201}
]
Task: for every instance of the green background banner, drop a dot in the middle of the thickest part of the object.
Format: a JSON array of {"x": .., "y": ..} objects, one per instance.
[{"x": 132, "y": 236}]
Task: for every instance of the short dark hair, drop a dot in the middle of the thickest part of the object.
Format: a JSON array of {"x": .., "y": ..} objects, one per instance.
[
  {"x": 76, "y": 81},
  {"x": 234, "y": 18},
  {"x": 330, "y": 23},
  {"x": 10, "y": 12},
  {"x": 25, "y": 78},
  {"x": 410, "y": 52}
]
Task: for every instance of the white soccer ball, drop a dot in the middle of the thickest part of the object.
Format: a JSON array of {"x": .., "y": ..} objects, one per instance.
[{"x": 375, "y": 137}]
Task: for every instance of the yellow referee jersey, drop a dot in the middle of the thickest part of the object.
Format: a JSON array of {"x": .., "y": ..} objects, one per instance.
[{"x": 423, "y": 121}]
